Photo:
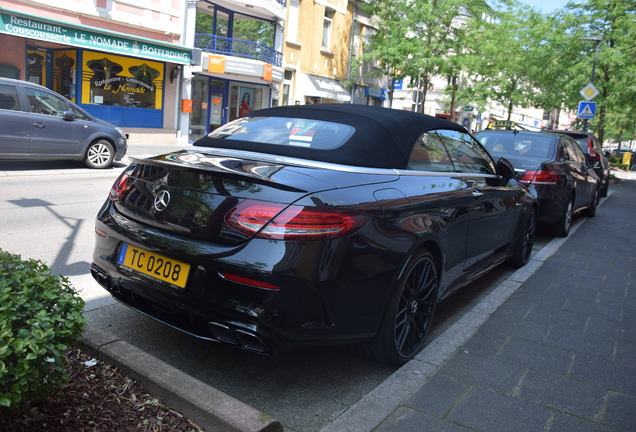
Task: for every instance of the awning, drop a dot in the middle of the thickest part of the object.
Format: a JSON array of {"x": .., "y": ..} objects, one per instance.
[{"x": 329, "y": 88}]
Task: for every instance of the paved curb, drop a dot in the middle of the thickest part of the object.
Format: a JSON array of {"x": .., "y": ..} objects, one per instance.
[{"x": 205, "y": 405}]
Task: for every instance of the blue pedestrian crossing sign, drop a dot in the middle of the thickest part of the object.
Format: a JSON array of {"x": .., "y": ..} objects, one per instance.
[{"x": 587, "y": 109}]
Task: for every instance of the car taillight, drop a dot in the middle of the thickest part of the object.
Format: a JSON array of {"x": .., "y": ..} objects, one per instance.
[
  {"x": 281, "y": 222},
  {"x": 540, "y": 177},
  {"x": 119, "y": 187},
  {"x": 592, "y": 154}
]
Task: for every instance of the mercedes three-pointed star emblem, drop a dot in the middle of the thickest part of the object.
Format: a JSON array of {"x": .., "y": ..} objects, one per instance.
[{"x": 162, "y": 199}]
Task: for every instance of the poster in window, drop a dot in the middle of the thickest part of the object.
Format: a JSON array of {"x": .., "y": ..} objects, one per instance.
[
  {"x": 247, "y": 99},
  {"x": 121, "y": 81}
]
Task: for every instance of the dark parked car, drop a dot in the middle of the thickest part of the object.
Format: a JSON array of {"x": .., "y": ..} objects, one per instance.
[
  {"x": 39, "y": 124},
  {"x": 316, "y": 224},
  {"x": 555, "y": 169},
  {"x": 591, "y": 146}
]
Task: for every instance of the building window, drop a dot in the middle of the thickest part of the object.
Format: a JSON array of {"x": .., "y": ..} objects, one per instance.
[
  {"x": 357, "y": 30},
  {"x": 292, "y": 21},
  {"x": 326, "y": 29}
]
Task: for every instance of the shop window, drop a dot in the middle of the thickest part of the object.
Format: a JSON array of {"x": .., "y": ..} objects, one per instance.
[
  {"x": 36, "y": 67},
  {"x": 244, "y": 100},
  {"x": 64, "y": 67},
  {"x": 111, "y": 80}
]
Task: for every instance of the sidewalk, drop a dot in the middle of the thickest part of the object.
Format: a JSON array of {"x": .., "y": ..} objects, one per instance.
[{"x": 558, "y": 355}]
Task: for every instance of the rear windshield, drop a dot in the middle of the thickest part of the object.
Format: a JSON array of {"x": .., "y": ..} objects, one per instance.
[
  {"x": 316, "y": 134},
  {"x": 515, "y": 145}
]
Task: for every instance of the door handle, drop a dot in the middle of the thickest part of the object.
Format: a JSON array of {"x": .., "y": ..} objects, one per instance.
[
  {"x": 38, "y": 125},
  {"x": 477, "y": 194}
]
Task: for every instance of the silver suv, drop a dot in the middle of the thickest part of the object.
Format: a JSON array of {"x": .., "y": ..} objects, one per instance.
[{"x": 39, "y": 124}]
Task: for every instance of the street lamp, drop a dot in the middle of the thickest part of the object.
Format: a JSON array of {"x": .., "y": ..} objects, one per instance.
[{"x": 598, "y": 40}]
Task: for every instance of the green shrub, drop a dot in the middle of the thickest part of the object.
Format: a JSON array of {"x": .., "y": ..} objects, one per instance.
[
  {"x": 617, "y": 162},
  {"x": 40, "y": 316}
]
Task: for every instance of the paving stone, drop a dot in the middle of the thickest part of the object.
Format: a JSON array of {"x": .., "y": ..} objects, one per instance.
[
  {"x": 484, "y": 371},
  {"x": 626, "y": 353},
  {"x": 437, "y": 396},
  {"x": 612, "y": 376},
  {"x": 567, "y": 423},
  {"x": 537, "y": 356},
  {"x": 517, "y": 327},
  {"x": 597, "y": 345},
  {"x": 563, "y": 394},
  {"x": 620, "y": 412},
  {"x": 485, "y": 342},
  {"x": 488, "y": 411},
  {"x": 408, "y": 420}
]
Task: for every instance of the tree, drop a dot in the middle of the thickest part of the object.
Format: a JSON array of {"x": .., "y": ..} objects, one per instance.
[
  {"x": 418, "y": 39},
  {"x": 570, "y": 61},
  {"x": 502, "y": 64}
]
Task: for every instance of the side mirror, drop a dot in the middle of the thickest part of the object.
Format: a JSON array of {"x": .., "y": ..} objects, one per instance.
[
  {"x": 505, "y": 170},
  {"x": 68, "y": 115}
]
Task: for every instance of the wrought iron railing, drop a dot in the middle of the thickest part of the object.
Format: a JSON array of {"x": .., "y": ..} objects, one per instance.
[{"x": 238, "y": 48}]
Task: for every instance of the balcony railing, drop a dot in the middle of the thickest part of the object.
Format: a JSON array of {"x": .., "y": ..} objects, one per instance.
[{"x": 238, "y": 48}]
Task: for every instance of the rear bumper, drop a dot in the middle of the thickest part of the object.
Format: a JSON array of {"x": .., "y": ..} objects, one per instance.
[{"x": 330, "y": 292}]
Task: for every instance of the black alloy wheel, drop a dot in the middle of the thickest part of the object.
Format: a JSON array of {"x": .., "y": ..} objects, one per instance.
[
  {"x": 409, "y": 314},
  {"x": 524, "y": 246},
  {"x": 562, "y": 227}
]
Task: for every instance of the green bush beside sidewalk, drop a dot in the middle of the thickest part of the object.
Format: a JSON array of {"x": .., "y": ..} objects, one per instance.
[{"x": 40, "y": 317}]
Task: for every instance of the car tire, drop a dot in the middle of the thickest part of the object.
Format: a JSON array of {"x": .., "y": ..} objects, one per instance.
[
  {"x": 562, "y": 227},
  {"x": 591, "y": 210},
  {"x": 409, "y": 314},
  {"x": 523, "y": 248},
  {"x": 99, "y": 154}
]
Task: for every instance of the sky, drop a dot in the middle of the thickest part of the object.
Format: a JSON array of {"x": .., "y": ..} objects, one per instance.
[{"x": 546, "y": 6}]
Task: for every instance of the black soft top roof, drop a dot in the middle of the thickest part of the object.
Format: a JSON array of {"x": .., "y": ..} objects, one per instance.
[{"x": 383, "y": 137}]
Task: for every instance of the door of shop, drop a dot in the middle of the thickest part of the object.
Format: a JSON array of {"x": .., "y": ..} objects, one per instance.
[{"x": 218, "y": 105}]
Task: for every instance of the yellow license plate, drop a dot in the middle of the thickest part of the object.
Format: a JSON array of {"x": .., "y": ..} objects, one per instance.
[{"x": 157, "y": 266}]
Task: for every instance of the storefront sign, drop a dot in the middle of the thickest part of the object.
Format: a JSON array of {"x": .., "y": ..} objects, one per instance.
[
  {"x": 373, "y": 92},
  {"x": 216, "y": 64},
  {"x": 237, "y": 66},
  {"x": 278, "y": 75},
  {"x": 18, "y": 24}
]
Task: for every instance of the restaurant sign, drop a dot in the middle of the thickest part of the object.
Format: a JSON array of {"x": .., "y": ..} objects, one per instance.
[{"x": 84, "y": 37}]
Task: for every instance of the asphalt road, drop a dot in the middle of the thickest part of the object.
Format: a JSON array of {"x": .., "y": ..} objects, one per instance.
[{"x": 47, "y": 209}]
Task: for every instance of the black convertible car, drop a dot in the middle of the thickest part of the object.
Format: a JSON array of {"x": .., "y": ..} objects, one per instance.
[{"x": 316, "y": 224}]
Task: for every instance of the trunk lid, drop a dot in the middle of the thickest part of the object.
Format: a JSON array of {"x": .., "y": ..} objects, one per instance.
[{"x": 191, "y": 192}]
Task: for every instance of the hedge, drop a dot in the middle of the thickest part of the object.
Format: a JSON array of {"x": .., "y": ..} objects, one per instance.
[{"x": 40, "y": 317}]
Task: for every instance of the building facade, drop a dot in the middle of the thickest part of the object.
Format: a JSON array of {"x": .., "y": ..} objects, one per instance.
[
  {"x": 117, "y": 59},
  {"x": 241, "y": 62},
  {"x": 316, "y": 52}
]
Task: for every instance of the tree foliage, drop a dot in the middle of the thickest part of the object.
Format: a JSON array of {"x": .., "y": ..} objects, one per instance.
[
  {"x": 518, "y": 57},
  {"x": 418, "y": 39}
]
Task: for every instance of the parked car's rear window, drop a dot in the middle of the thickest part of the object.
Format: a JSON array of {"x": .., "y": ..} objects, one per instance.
[
  {"x": 315, "y": 134},
  {"x": 9, "y": 97},
  {"x": 535, "y": 146}
]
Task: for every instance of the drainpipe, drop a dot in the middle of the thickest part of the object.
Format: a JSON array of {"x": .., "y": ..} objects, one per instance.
[{"x": 353, "y": 22}]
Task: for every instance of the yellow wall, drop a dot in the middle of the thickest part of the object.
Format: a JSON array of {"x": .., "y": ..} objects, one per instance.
[{"x": 309, "y": 57}]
